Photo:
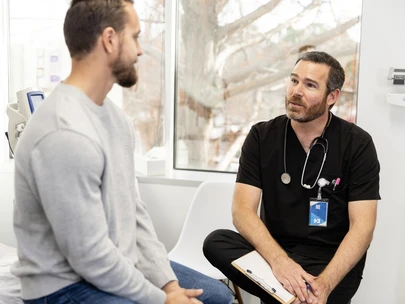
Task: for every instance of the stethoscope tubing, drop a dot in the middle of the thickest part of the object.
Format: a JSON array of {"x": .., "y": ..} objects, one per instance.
[
  {"x": 325, "y": 152},
  {"x": 285, "y": 177}
]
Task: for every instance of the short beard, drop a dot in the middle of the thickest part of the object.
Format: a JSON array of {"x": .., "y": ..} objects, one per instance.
[
  {"x": 311, "y": 113},
  {"x": 125, "y": 74}
]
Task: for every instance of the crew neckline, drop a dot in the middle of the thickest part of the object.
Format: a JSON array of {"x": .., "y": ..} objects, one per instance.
[{"x": 101, "y": 110}]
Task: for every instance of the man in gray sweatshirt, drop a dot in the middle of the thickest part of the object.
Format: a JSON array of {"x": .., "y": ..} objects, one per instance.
[{"x": 83, "y": 233}]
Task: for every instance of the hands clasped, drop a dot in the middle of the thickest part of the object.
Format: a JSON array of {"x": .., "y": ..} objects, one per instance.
[{"x": 295, "y": 279}]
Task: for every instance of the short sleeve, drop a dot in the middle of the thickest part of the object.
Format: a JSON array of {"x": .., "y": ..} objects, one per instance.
[
  {"x": 364, "y": 178},
  {"x": 249, "y": 162}
]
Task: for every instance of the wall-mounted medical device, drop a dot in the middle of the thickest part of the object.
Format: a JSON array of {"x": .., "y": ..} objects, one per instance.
[
  {"x": 28, "y": 100},
  {"x": 397, "y": 76}
]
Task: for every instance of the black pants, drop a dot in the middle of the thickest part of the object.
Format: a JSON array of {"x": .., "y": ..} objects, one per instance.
[{"x": 221, "y": 247}]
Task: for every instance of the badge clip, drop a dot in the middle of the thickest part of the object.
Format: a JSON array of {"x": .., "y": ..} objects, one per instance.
[{"x": 322, "y": 182}]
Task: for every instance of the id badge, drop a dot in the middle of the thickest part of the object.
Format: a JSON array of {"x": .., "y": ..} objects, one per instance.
[{"x": 318, "y": 212}]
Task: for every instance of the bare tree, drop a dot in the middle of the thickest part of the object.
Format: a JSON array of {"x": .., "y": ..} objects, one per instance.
[
  {"x": 220, "y": 65},
  {"x": 212, "y": 72}
]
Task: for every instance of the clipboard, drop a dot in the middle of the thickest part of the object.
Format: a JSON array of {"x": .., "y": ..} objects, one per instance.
[{"x": 256, "y": 268}]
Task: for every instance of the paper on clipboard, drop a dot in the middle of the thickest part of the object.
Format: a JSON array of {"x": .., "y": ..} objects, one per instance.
[{"x": 254, "y": 266}]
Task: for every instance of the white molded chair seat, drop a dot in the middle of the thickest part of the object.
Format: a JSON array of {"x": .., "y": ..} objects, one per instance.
[{"x": 209, "y": 210}]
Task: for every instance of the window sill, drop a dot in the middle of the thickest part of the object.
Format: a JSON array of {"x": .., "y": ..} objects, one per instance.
[{"x": 186, "y": 178}]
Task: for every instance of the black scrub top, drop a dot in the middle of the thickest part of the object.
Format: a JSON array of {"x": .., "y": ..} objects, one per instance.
[{"x": 285, "y": 208}]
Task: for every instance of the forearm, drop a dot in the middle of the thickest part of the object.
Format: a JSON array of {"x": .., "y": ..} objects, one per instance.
[
  {"x": 153, "y": 260},
  {"x": 350, "y": 251},
  {"x": 251, "y": 227}
]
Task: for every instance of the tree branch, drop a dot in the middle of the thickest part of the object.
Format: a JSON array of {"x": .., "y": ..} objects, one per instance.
[
  {"x": 152, "y": 21},
  {"x": 219, "y": 5},
  {"x": 230, "y": 28},
  {"x": 281, "y": 53},
  {"x": 230, "y": 50},
  {"x": 152, "y": 51},
  {"x": 270, "y": 79}
]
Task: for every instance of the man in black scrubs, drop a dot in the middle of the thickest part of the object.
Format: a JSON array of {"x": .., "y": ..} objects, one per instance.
[{"x": 318, "y": 178}]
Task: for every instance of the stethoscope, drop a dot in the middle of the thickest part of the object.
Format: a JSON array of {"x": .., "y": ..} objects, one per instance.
[{"x": 323, "y": 142}]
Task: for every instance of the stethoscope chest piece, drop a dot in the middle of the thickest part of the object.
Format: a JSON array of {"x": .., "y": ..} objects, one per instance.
[{"x": 285, "y": 178}]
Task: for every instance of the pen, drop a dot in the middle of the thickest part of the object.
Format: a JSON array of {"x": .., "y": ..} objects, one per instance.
[
  {"x": 260, "y": 281},
  {"x": 308, "y": 287},
  {"x": 336, "y": 183}
]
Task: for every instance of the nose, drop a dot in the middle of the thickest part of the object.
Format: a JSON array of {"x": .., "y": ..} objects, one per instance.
[
  {"x": 297, "y": 90},
  {"x": 139, "y": 48}
]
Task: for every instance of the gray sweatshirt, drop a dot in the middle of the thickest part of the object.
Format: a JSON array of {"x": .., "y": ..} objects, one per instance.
[{"x": 78, "y": 214}]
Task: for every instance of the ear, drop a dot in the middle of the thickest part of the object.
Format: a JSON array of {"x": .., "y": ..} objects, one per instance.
[
  {"x": 109, "y": 40},
  {"x": 333, "y": 97}
]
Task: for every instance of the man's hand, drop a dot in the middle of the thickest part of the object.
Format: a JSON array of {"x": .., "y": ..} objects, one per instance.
[
  {"x": 293, "y": 278},
  {"x": 184, "y": 296},
  {"x": 324, "y": 291},
  {"x": 177, "y": 295},
  {"x": 171, "y": 286}
]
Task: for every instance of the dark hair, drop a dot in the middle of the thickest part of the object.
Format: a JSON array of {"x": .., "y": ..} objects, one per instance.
[
  {"x": 336, "y": 76},
  {"x": 86, "y": 20}
]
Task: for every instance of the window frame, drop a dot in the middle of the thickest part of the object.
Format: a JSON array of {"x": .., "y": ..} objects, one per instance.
[
  {"x": 175, "y": 99},
  {"x": 6, "y": 163}
]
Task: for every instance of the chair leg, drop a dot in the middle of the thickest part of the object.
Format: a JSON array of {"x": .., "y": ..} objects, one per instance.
[{"x": 237, "y": 293}]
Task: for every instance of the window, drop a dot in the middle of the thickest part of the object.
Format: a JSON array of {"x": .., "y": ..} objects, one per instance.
[
  {"x": 39, "y": 58},
  {"x": 144, "y": 103},
  {"x": 38, "y": 55},
  {"x": 233, "y": 63}
]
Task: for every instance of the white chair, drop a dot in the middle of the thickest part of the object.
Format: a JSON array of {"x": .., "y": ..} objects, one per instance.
[{"x": 209, "y": 210}]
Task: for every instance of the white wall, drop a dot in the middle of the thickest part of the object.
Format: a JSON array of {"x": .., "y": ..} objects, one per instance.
[
  {"x": 401, "y": 272},
  {"x": 382, "y": 46}
]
